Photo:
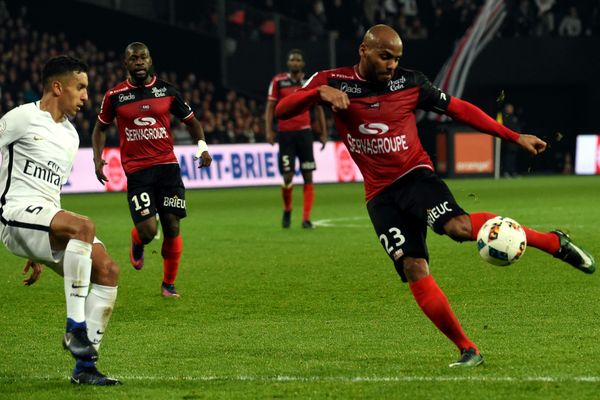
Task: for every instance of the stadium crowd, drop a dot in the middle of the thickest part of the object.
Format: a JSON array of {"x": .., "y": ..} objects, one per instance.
[
  {"x": 411, "y": 18},
  {"x": 229, "y": 117}
]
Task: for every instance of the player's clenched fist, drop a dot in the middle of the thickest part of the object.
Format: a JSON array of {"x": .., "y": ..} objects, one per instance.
[{"x": 339, "y": 100}]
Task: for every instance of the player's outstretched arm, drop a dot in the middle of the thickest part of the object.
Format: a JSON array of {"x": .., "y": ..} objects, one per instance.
[
  {"x": 470, "y": 114},
  {"x": 98, "y": 142},
  {"x": 36, "y": 271}
]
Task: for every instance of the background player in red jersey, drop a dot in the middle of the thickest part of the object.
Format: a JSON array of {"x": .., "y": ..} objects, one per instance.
[
  {"x": 295, "y": 137},
  {"x": 143, "y": 105},
  {"x": 374, "y": 104}
]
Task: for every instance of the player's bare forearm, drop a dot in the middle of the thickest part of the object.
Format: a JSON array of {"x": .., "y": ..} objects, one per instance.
[
  {"x": 269, "y": 133},
  {"x": 98, "y": 142},
  {"x": 323, "y": 125},
  {"x": 98, "y": 139},
  {"x": 195, "y": 129},
  {"x": 197, "y": 132}
]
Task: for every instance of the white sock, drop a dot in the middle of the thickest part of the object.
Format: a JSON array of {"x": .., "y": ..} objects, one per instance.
[
  {"x": 77, "y": 266},
  {"x": 98, "y": 309}
]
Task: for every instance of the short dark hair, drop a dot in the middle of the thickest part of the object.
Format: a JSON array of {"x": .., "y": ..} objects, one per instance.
[
  {"x": 294, "y": 52},
  {"x": 61, "y": 65},
  {"x": 135, "y": 45}
]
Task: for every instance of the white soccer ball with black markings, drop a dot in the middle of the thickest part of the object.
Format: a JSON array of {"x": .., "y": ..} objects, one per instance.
[{"x": 501, "y": 241}]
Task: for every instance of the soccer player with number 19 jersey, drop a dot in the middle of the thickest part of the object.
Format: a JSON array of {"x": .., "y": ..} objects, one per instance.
[
  {"x": 142, "y": 106},
  {"x": 374, "y": 106}
]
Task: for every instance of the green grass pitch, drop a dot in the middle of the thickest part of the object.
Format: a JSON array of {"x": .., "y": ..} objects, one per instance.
[{"x": 268, "y": 313}]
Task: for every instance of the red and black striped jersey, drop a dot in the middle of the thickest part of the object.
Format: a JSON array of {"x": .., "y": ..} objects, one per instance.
[
  {"x": 379, "y": 127},
  {"x": 281, "y": 86},
  {"x": 143, "y": 116}
]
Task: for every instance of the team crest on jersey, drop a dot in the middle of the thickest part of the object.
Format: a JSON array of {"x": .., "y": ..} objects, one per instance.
[
  {"x": 145, "y": 107},
  {"x": 398, "y": 254}
]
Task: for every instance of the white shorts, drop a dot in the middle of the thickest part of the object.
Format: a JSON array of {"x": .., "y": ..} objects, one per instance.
[{"x": 25, "y": 231}]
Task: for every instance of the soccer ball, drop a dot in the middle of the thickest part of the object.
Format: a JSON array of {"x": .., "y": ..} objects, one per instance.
[{"x": 501, "y": 241}]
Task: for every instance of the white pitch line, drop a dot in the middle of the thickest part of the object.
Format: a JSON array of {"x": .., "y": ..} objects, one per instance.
[
  {"x": 341, "y": 379},
  {"x": 341, "y": 222}
]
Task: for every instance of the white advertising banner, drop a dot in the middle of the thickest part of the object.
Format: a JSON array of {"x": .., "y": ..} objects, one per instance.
[
  {"x": 233, "y": 165},
  {"x": 587, "y": 155}
]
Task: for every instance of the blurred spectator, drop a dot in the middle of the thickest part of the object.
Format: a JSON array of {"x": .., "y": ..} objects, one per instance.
[
  {"x": 545, "y": 16},
  {"x": 524, "y": 19},
  {"x": 509, "y": 149},
  {"x": 317, "y": 20},
  {"x": 594, "y": 28},
  {"x": 416, "y": 30},
  {"x": 570, "y": 25},
  {"x": 409, "y": 7}
]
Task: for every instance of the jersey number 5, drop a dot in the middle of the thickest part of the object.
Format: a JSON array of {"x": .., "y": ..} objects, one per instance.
[
  {"x": 34, "y": 210},
  {"x": 397, "y": 237}
]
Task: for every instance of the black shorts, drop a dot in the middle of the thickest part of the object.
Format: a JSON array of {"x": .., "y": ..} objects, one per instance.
[
  {"x": 401, "y": 213},
  {"x": 296, "y": 144},
  {"x": 156, "y": 189}
]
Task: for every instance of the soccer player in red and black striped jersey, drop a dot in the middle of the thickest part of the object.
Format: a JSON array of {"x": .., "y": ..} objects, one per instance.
[
  {"x": 295, "y": 137},
  {"x": 142, "y": 106},
  {"x": 374, "y": 106}
]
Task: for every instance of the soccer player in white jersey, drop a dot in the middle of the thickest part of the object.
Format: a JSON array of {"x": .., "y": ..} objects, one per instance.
[{"x": 38, "y": 145}]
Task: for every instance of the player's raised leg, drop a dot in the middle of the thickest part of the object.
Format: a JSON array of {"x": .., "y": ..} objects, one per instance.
[{"x": 557, "y": 243}]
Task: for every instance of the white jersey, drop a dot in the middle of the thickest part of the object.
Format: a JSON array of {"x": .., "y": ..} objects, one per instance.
[{"x": 37, "y": 155}]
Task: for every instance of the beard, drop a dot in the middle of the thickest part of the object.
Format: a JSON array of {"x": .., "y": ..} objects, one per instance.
[{"x": 141, "y": 79}]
